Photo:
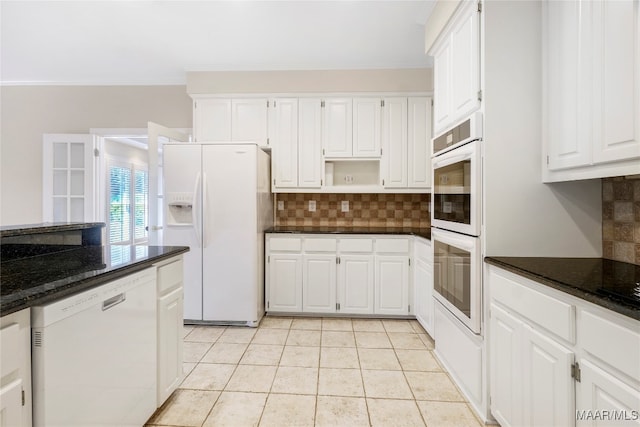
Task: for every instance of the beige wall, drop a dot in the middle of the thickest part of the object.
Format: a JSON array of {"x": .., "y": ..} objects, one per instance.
[
  {"x": 27, "y": 112},
  {"x": 438, "y": 19},
  {"x": 317, "y": 81}
]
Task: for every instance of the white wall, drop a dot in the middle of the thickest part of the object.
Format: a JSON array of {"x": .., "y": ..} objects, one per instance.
[
  {"x": 524, "y": 217},
  {"x": 326, "y": 81},
  {"x": 30, "y": 111}
]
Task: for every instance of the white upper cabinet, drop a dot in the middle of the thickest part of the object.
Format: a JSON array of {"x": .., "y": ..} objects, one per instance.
[
  {"x": 284, "y": 138},
  {"x": 441, "y": 85},
  {"x": 337, "y": 127},
  {"x": 456, "y": 68},
  {"x": 465, "y": 64},
  {"x": 366, "y": 127},
  {"x": 212, "y": 119},
  {"x": 223, "y": 119},
  {"x": 616, "y": 80},
  {"x": 591, "y": 89},
  {"x": 394, "y": 136},
  {"x": 309, "y": 143},
  {"x": 418, "y": 142},
  {"x": 249, "y": 120}
]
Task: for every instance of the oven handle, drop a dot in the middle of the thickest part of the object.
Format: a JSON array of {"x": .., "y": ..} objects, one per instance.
[
  {"x": 468, "y": 243},
  {"x": 450, "y": 160}
]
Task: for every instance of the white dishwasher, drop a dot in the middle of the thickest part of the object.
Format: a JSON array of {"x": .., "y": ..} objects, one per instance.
[{"x": 94, "y": 355}]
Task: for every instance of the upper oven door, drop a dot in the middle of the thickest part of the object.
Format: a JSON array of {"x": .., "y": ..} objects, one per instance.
[{"x": 455, "y": 203}]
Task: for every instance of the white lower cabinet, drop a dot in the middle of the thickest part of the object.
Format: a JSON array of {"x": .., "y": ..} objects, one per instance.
[
  {"x": 15, "y": 385},
  {"x": 316, "y": 274},
  {"x": 392, "y": 285},
  {"x": 423, "y": 283},
  {"x": 355, "y": 283},
  {"x": 556, "y": 360},
  {"x": 603, "y": 391},
  {"x": 170, "y": 307},
  {"x": 319, "y": 283},
  {"x": 548, "y": 386},
  {"x": 285, "y": 282}
]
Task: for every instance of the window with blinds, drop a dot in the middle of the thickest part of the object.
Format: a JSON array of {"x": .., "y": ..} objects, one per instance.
[{"x": 128, "y": 204}]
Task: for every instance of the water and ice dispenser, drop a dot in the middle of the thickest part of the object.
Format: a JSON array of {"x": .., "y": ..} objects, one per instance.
[{"x": 179, "y": 208}]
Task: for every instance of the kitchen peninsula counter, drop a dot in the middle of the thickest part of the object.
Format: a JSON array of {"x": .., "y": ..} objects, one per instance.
[
  {"x": 424, "y": 232},
  {"x": 610, "y": 284},
  {"x": 46, "y": 277}
]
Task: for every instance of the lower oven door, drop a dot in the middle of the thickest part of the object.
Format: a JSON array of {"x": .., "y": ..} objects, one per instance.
[{"x": 457, "y": 279}]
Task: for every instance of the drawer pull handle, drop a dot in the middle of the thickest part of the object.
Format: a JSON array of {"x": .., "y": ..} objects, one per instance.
[{"x": 113, "y": 301}]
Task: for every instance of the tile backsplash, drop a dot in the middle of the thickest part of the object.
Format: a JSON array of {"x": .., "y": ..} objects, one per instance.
[
  {"x": 365, "y": 210},
  {"x": 621, "y": 219}
]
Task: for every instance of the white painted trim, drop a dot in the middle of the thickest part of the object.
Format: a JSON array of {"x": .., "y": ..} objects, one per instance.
[
  {"x": 176, "y": 82},
  {"x": 270, "y": 95}
]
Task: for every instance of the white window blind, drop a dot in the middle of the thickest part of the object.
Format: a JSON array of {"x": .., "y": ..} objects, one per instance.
[
  {"x": 128, "y": 204},
  {"x": 141, "y": 208},
  {"x": 119, "y": 205}
]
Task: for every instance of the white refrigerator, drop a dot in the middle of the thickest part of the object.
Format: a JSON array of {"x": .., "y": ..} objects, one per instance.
[{"x": 217, "y": 200}]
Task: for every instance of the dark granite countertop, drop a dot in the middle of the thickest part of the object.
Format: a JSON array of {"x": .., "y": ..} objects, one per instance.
[
  {"x": 611, "y": 284},
  {"x": 46, "y": 227},
  {"x": 422, "y": 232},
  {"x": 49, "y": 276}
]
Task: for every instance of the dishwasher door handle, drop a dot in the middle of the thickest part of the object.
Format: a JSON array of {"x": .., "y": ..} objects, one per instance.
[{"x": 113, "y": 301}]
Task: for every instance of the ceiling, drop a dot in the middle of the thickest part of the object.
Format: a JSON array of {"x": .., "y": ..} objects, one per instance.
[{"x": 157, "y": 42}]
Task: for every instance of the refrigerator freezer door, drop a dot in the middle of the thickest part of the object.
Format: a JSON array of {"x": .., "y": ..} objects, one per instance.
[
  {"x": 230, "y": 230},
  {"x": 182, "y": 188}
]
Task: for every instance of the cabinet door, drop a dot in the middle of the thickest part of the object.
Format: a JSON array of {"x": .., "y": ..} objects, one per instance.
[
  {"x": 566, "y": 73},
  {"x": 505, "y": 367},
  {"x": 337, "y": 122},
  {"x": 285, "y": 282},
  {"x": 212, "y": 120},
  {"x": 423, "y": 300},
  {"x": 616, "y": 80},
  {"x": 249, "y": 120},
  {"x": 284, "y": 152},
  {"x": 394, "y": 136},
  {"x": 11, "y": 404},
  {"x": 599, "y": 391},
  {"x": 309, "y": 143},
  {"x": 355, "y": 284},
  {"x": 319, "y": 284},
  {"x": 366, "y": 127},
  {"x": 391, "y": 285},
  {"x": 465, "y": 64},
  {"x": 548, "y": 397},
  {"x": 442, "y": 88},
  {"x": 170, "y": 320},
  {"x": 419, "y": 143}
]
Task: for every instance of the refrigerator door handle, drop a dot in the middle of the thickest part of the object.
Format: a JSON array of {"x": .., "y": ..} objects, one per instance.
[
  {"x": 205, "y": 218},
  {"x": 194, "y": 210}
]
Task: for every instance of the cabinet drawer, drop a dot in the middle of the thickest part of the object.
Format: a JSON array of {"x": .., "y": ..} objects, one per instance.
[
  {"x": 291, "y": 244},
  {"x": 320, "y": 245},
  {"x": 169, "y": 276},
  {"x": 392, "y": 245},
  {"x": 11, "y": 345},
  {"x": 552, "y": 314},
  {"x": 611, "y": 342},
  {"x": 356, "y": 245},
  {"x": 422, "y": 250}
]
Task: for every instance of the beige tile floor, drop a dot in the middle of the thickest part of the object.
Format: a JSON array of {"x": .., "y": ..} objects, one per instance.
[{"x": 313, "y": 372}]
